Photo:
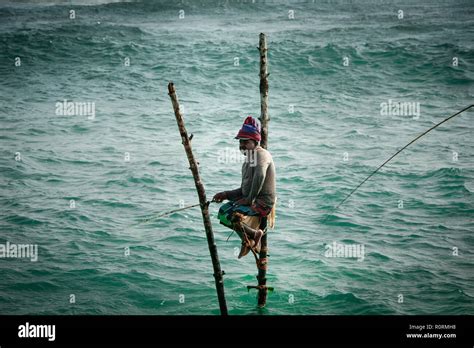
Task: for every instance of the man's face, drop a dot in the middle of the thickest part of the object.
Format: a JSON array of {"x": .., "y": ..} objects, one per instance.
[{"x": 246, "y": 145}]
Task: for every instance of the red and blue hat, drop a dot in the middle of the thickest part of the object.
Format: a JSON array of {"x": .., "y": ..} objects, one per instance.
[{"x": 250, "y": 130}]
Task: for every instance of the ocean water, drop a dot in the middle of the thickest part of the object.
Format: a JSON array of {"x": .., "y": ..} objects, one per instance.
[{"x": 76, "y": 186}]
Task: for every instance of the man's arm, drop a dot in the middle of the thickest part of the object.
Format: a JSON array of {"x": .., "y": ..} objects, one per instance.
[
  {"x": 234, "y": 195},
  {"x": 259, "y": 174}
]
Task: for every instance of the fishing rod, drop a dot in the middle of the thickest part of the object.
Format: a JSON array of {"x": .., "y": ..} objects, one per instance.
[
  {"x": 396, "y": 153},
  {"x": 158, "y": 216}
]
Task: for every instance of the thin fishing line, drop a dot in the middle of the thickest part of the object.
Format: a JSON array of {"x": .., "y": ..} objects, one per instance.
[
  {"x": 395, "y": 154},
  {"x": 160, "y": 215}
]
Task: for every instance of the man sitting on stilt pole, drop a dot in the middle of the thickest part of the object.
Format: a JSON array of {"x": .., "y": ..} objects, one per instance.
[{"x": 252, "y": 206}]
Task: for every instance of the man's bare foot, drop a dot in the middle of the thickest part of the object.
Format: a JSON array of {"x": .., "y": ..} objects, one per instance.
[{"x": 246, "y": 246}]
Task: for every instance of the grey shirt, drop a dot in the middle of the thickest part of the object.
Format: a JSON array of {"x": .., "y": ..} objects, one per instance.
[{"x": 258, "y": 179}]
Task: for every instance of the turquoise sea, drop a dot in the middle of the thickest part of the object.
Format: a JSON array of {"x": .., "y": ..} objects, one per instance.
[{"x": 76, "y": 185}]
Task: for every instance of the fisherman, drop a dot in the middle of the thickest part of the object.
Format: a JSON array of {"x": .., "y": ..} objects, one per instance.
[{"x": 251, "y": 207}]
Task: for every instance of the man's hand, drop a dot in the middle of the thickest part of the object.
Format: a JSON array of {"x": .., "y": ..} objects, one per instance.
[{"x": 219, "y": 197}]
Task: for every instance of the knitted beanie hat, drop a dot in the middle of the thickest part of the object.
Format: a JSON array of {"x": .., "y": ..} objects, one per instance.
[{"x": 250, "y": 130}]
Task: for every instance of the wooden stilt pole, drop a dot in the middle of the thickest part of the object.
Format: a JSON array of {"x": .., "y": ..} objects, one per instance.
[
  {"x": 264, "y": 119},
  {"x": 193, "y": 165}
]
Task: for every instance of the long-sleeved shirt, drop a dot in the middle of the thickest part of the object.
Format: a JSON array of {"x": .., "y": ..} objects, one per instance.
[{"x": 258, "y": 181}]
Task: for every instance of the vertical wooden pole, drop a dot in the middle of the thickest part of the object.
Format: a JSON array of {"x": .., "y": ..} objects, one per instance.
[
  {"x": 264, "y": 119},
  {"x": 193, "y": 165}
]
